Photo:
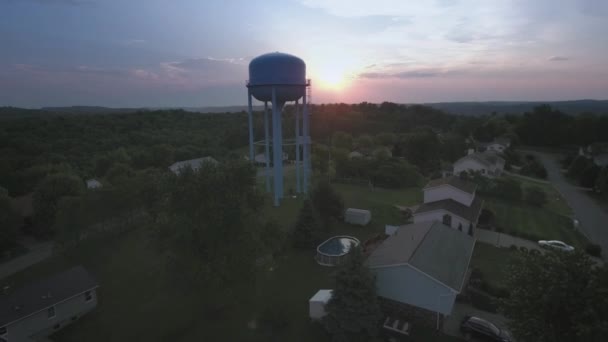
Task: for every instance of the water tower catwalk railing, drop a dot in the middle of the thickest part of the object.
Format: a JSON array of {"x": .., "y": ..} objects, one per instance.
[{"x": 301, "y": 140}]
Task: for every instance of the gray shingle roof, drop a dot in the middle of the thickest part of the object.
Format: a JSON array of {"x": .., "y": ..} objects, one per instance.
[
  {"x": 431, "y": 247},
  {"x": 464, "y": 185},
  {"x": 486, "y": 158},
  {"x": 44, "y": 293},
  {"x": 470, "y": 213},
  {"x": 193, "y": 164}
]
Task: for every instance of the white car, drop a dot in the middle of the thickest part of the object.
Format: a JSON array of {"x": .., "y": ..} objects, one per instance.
[{"x": 556, "y": 245}]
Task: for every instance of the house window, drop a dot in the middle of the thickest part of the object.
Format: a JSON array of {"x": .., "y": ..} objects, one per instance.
[
  {"x": 447, "y": 220},
  {"x": 50, "y": 312},
  {"x": 88, "y": 296},
  {"x": 2, "y": 331}
]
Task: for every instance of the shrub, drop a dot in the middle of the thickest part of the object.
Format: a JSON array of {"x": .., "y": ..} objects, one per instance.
[
  {"x": 523, "y": 249},
  {"x": 495, "y": 291},
  {"x": 536, "y": 196},
  {"x": 589, "y": 176},
  {"x": 513, "y": 247},
  {"x": 482, "y": 300},
  {"x": 534, "y": 168},
  {"x": 594, "y": 250}
]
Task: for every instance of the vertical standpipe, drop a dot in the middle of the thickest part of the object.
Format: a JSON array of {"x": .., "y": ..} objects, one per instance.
[
  {"x": 306, "y": 142},
  {"x": 249, "y": 111},
  {"x": 266, "y": 147},
  {"x": 277, "y": 159},
  {"x": 298, "y": 136}
]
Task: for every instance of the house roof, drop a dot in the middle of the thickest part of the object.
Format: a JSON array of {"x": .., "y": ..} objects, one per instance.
[
  {"x": 503, "y": 141},
  {"x": 322, "y": 296},
  {"x": 485, "y": 158},
  {"x": 194, "y": 164},
  {"x": 431, "y": 247},
  {"x": 461, "y": 184},
  {"x": 93, "y": 183},
  {"x": 470, "y": 213},
  {"x": 42, "y": 294}
]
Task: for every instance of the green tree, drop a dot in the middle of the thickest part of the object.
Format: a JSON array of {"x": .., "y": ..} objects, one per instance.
[
  {"x": 342, "y": 140},
  {"x": 364, "y": 142},
  {"x": 549, "y": 283},
  {"x": 385, "y": 139},
  {"x": 536, "y": 196},
  {"x": 308, "y": 229},
  {"x": 47, "y": 196},
  {"x": 9, "y": 223},
  {"x": 327, "y": 202},
  {"x": 601, "y": 184},
  {"x": 578, "y": 166},
  {"x": 589, "y": 176},
  {"x": 353, "y": 312},
  {"x": 119, "y": 174}
]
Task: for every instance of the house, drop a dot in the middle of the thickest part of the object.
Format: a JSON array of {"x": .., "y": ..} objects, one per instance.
[
  {"x": 93, "y": 184},
  {"x": 41, "y": 308},
  {"x": 487, "y": 163},
  {"x": 193, "y": 164},
  {"x": 420, "y": 270},
  {"x": 497, "y": 145},
  {"x": 355, "y": 155},
  {"x": 452, "y": 201}
]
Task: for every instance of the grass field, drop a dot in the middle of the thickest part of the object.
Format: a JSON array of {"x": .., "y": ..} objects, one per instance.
[
  {"x": 139, "y": 301},
  {"x": 556, "y": 202},
  {"x": 533, "y": 223}
]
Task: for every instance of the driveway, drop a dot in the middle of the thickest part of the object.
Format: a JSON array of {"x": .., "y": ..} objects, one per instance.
[
  {"x": 593, "y": 217},
  {"x": 36, "y": 254},
  {"x": 451, "y": 326},
  {"x": 504, "y": 240}
]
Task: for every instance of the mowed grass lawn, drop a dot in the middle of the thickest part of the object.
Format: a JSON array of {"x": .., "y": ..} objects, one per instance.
[
  {"x": 140, "y": 300},
  {"x": 533, "y": 223},
  {"x": 555, "y": 202}
]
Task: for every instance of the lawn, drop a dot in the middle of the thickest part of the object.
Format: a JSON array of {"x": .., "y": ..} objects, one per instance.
[
  {"x": 139, "y": 301},
  {"x": 533, "y": 223},
  {"x": 556, "y": 202},
  {"x": 492, "y": 262}
]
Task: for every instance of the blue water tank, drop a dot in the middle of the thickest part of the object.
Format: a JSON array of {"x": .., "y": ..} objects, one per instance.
[{"x": 285, "y": 72}]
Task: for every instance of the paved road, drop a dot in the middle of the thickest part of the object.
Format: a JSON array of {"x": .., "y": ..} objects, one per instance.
[
  {"x": 592, "y": 216},
  {"x": 35, "y": 255}
]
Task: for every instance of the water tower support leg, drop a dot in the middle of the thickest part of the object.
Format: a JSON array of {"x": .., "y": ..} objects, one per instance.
[
  {"x": 306, "y": 145},
  {"x": 298, "y": 185},
  {"x": 267, "y": 147},
  {"x": 251, "y": 156},
  {"x": 280, "y": 148},
  {"x": 276, "y": 144}
]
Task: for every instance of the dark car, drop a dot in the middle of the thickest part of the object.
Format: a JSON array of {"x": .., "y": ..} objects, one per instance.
[{"x": 472, "y": 326}]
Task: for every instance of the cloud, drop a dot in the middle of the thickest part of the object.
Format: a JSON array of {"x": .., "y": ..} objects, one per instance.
[
  {"x": 558, "y": 58},
  {"x": 422, "y": 73}
]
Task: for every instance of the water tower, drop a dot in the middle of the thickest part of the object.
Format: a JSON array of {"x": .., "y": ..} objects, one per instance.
[{"x": 278, "y": 78}]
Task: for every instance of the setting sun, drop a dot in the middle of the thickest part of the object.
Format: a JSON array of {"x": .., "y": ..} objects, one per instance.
[{"x": 332, "y": 73}]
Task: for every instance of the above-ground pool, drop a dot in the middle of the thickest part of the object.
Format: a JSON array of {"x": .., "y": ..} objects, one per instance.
[{"x": 334, "y": 250}]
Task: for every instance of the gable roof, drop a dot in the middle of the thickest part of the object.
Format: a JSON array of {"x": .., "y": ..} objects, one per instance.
[
  {"x": 461, "y": 184},
  {"x": 45, "y": 293},
  {"x": 470, "y": 213},
  {"x": 433, "y": 248},
  {"x": 485, "y": 158},
  {"x": 194, "y": 164}
]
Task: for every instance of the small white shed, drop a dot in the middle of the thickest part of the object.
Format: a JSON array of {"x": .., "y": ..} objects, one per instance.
[
  {"x": 357, "y": 216},
  {"x": 316, "y": 304}
]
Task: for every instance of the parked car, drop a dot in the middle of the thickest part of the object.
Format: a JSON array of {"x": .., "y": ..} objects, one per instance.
[
  {"x": 555, "y": 244},
  {"x": 472, "y": 326}
]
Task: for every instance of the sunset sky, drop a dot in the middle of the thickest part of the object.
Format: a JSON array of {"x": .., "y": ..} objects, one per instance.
[{"x": 132, "y": 53}]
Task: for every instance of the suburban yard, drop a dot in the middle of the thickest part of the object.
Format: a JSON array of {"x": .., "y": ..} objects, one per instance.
[
  {"x": 138, "y": 300},
  {"x": 492, "y": 262}
]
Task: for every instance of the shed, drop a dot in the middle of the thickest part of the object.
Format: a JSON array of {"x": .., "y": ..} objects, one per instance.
[
  {"x": 357, "y": 216},
  {"x": 316, "y": 304}
]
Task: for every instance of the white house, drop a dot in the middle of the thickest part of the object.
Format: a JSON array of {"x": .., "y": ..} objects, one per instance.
[
  {"x": 93, "y": 184},
  {"x": 39, "y": 309},
  {"x": 193, "y": 164},
  {"x": 497, "y": 145},
  {"x": 452, "y": 201},
  {"x": 487, "y": 163},
  {"x": 420, "y": 270}
]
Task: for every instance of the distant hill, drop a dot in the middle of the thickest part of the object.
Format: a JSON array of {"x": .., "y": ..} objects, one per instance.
[{"x": 481, "y": 108}]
